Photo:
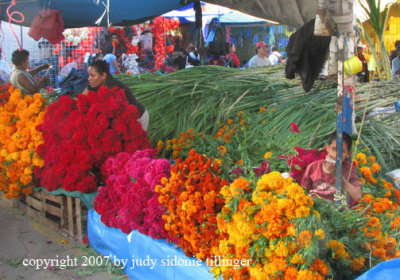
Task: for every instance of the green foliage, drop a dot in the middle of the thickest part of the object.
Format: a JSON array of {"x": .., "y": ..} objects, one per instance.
[{"x": 199, "y": 97}]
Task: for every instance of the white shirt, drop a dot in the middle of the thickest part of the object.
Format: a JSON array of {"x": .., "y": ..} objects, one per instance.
[
  {"x": 275, "y": 57},
  {"x": 257, "y": 61},
  {"x": 5, "y": 70}
]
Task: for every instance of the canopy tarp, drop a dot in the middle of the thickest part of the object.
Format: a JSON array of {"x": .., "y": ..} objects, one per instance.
[
  {"x": 80, "y": 13},
  {"x": 222, "y": 14},
  {"x": 290, "y": 12}
]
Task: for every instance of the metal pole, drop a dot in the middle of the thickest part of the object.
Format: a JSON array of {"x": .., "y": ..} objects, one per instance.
[
  {"x": 21, "y": 37},
  {"x": 339, "y": 120}
]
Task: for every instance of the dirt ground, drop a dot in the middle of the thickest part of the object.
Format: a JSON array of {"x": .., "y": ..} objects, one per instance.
[{"x": 30, "y": 250}]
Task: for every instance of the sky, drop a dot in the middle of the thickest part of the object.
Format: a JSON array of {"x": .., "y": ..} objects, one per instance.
[{"x": 359, "y": 11}]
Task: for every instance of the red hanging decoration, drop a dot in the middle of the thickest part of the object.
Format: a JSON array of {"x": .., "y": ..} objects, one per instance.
[{"x": 159, "y": 28}]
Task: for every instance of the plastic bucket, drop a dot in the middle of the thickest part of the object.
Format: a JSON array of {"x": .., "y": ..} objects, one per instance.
[{"x": 353, "y": 64}]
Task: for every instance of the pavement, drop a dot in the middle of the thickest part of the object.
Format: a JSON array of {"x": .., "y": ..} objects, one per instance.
[{"x": 30, "y": 250}]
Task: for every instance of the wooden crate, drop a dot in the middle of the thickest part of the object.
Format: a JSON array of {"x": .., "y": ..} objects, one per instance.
[{"x": 60, "y": 212}]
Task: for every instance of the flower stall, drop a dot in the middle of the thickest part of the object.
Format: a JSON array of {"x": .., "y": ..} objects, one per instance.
[{"x": 211, "y": 200}]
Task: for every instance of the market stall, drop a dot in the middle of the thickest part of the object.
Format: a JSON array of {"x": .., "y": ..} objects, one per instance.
[{"x": 203, "y": 193}]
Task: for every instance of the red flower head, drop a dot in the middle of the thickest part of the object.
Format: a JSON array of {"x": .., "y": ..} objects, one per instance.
[{"x": 294, "y": 128}]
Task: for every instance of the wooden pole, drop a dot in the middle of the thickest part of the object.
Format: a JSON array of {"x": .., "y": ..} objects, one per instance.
[{"x": 339, "y": 120}]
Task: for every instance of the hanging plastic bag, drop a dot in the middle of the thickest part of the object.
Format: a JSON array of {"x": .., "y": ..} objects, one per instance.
[{"x": 219, "y": 46}]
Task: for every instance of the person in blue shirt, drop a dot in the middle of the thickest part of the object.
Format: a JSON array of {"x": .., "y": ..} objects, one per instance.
[{"x": 111, "y": 59}]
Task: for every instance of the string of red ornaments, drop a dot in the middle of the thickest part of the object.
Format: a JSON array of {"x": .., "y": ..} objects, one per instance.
[{"x": 159, "y": 28}]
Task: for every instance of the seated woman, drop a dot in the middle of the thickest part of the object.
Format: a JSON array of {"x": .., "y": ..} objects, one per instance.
[
  {"x": 99, "y": 75},
  {"x": 25, "y": 80},
  {"x": 320, "y": 176}
]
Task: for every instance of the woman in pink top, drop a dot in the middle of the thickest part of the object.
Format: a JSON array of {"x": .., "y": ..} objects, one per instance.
[{"x": 320, "y": 176}]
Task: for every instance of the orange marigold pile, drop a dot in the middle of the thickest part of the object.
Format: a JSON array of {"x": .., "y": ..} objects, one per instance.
[
  {"x": 19, "y": 139},
  {"x": 191, "y": 197}
]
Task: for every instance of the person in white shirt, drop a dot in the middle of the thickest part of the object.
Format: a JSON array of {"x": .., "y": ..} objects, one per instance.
[
  {"x": 260, "y": 59},
  {"x": 275, "y": 57},
  {"x": 5, "y": 70}
]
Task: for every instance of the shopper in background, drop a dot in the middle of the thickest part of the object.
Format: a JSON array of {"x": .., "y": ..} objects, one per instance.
[
  {"x": 363, "y": 76},
  {"x": 194, "y": 56},
  {"x": 180, "y": 61},
  {"x": 5, "y": 70},
  {"x": 216, "y": 60},
  {"x": 23, "y": 79},
  {"x": 111, "y": 59},
  {"x": 393, "y": 53},
  {"x": 231, "y": 60},
  {"x": 275, "y": 57},
  {"x": 396, "y": 66},
  {"x": 260, "y": 59}
]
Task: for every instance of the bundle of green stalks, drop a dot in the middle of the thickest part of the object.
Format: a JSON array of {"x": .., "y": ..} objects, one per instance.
[{"x": 198, "y": 97}]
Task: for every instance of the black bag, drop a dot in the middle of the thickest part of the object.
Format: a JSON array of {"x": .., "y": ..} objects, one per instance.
[
  {"x": 219, "y": 46},
  {"x": 75, "y": 82}
]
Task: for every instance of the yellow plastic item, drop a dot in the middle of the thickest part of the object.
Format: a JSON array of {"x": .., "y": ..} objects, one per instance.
[{"x": 353, "y": 64}]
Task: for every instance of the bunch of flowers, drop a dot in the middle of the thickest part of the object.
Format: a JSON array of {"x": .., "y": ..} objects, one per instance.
[
  {"x": 191, "y": 196},
  {"x": 380, "y": 201},
  {"x": 79, "y": 135},
  {"x": 301, "y": 159},
  {"x": 5, "y": 91},
  {"x": 226, "y": 144},
  {"x": 128, "y": 201},
  {"x": 273, "y": 225},
  {"x": 286, "y": 235},
  {"x": 19, "y": 139}
]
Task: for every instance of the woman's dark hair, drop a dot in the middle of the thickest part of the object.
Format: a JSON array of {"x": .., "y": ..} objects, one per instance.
[
  {"x": 109, "y": 49},
  {"x": 101, "y": 67},
  {"x": 19, "y": 56},
  {"x": 346, "y": 139}
]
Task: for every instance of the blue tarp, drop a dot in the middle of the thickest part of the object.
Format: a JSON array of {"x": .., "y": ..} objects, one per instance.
[
  {"x": 162, "y": 260},
  {"x": 80, "y": 13},
  {"x": 388, "y": 270},
  {"x": 144, "y": 257},
  {"x": 221, "y": 14}
]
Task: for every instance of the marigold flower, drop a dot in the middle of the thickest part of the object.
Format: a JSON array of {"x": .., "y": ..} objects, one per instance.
[
  {"x": 222, "y": 150},
  {"x": 320, "y": 266},
  {"x": 362, "y": 158},
  {"x": 305, "y": 238},
  {"x": 368, "y": 198},
  {"x": 320, "y": 234},
  {"x": 267, "y": 155},
  {"x": 305, "y": 274},
  {"x": 375, "y": 167},
  {"x": 395, "y": 224}
]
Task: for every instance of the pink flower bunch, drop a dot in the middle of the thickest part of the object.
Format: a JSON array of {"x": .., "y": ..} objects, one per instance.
[
  {"x": 79, "y": 135},
  {"x": 303, "y": 158},
  {"x": 128, "y": 200}
]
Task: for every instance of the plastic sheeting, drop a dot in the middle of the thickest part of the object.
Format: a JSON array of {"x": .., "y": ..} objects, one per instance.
[
  {"x": 291, "y": 12},
  {"x": 143, "y": 258},
  {"x": 388, "y": 270},
  {"x": 86, "y": 198},
  {"x": 80, "y": 13}
]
